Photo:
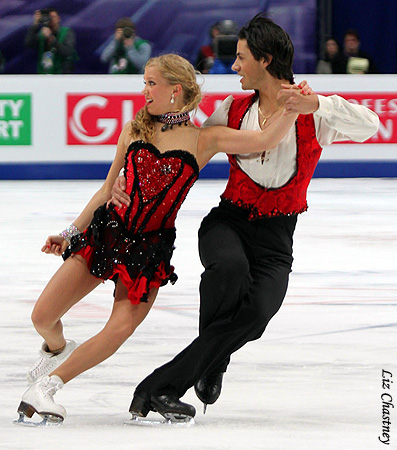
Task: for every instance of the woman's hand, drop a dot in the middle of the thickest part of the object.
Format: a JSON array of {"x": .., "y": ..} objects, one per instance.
[
  {"x": 55, "y": 245},
  {"x": 304, "y": 87}
]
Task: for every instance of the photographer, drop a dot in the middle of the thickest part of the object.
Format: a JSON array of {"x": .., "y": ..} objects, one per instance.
[
  {"x": 225, "y": 44},
  {"x": 55, "y": 43},
  {"x": 206, "y": 55},
  {"x": 126, "y": 53}
]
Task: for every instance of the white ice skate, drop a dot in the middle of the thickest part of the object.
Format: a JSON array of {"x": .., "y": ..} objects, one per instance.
[
  {"x": 48, "y": 362},
  {"x": 39, "y": 399}
]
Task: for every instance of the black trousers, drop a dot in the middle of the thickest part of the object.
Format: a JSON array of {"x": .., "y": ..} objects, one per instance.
[{"x": 247, "y": 266}]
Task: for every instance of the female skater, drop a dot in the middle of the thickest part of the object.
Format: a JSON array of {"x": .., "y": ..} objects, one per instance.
[{"x": 131, "y": 245}]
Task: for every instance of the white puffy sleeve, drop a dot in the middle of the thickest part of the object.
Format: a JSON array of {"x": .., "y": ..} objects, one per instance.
[
  {"x": 220, "y": 115},
  {"x": 339, "y": 120}
]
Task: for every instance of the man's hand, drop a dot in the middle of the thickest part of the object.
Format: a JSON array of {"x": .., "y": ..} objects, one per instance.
[
  {"x": 36, "y": 17},
  {"x": 46, "y": 32},
  {"x": 118, "y": 34},
  {"x": 55, "y": 245},
  {"x": 119, "y": 197},
  {"x": 296, "y": 101}
]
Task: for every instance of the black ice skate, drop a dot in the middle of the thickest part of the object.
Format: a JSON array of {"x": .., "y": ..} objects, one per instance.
[
  {"x": 208, "y": 388},
  {"x": 170, "y": 407}
]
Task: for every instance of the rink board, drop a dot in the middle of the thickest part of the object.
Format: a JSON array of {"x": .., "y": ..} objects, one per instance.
[{"x": 66, "y": 127}]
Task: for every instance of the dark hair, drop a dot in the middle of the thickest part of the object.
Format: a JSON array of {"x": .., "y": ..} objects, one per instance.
[
  {"x": 49, "y": 10},
  {"x": 331, "y": 38},
  {"x": 352, "y": 32},
  {"x": 125, "y": 22},
  {"x": 265, "y": 38}
]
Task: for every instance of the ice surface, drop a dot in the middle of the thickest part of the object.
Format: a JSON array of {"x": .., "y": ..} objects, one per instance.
[{"x": 313, "y": 381}]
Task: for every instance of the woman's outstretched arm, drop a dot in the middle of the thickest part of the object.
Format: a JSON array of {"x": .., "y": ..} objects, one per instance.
[{"x": 56, "y": 244}]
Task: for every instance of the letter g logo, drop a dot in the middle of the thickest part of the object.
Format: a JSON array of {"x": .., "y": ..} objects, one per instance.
[{"x": 108, "y": 126}]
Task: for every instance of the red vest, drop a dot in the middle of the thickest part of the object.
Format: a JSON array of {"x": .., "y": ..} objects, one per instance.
[{"x": 288, "y": 199}]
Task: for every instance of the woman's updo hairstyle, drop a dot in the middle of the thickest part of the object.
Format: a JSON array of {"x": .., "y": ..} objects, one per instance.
[{"x": 176, "y": 70}]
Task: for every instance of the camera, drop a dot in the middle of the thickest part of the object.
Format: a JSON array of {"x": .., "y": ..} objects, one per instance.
[
  {"x": 45, "y": 19},
  {"x": 225, "y": 47},
  {"x": 128, "y": 32},
  {"x": 225, "y": 43}
]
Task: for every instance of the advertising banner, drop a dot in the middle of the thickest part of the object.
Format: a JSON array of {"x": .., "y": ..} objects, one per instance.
[
  {"x": 97, "y": 118},
  {"x": 68, "y": 126},
  {"x": 15, "y": 119}
]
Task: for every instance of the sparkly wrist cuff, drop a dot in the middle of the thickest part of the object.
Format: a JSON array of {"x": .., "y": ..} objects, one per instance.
[{"x": 69, "y": 232}]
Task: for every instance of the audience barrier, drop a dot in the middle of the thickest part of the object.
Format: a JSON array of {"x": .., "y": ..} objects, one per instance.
[{"x": 66, "y": 127}]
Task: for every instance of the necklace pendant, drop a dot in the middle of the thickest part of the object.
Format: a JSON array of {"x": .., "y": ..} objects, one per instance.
[
  {"x": 263, "y": 118},
  {"x": 164, "y": 127}
]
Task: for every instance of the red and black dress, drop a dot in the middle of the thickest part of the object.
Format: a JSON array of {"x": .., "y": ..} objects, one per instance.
[{"x": 135, "y": 243}]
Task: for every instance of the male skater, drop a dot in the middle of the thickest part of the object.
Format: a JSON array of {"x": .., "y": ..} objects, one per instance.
[{"x": 245, "y": 243}]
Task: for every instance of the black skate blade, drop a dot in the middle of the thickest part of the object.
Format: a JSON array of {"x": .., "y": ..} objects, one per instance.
[
  {"x": 48, "y": 421},
  {"x": 169, "y": 419}
]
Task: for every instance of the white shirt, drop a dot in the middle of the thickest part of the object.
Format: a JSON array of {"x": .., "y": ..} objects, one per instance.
[{"x": 335, "y": 120}]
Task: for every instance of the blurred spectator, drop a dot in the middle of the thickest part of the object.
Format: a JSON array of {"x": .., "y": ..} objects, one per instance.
[
  {"x": 225, "y": 45},
  {"x": 206, "y": 55},
  {"x": 357, "y": 60},
  {"x": 2, "y": 62},
  {"x": 334, "y": 61},
  {"x": 55, "y": 43},
  {"x": 126, "y": 53}
]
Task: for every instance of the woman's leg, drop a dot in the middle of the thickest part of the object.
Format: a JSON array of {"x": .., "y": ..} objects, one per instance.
[
  {"x": 69, "y": 285},
  {"x": 124, "y": 319}
]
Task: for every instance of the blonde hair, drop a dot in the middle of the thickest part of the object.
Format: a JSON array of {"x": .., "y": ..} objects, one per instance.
[{"x": 176, "y": 70}]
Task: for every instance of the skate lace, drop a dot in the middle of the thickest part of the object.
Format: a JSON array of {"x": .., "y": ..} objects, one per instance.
[
  {"x": 50, "y": 390},
  {"x": 42, "y": 366}
]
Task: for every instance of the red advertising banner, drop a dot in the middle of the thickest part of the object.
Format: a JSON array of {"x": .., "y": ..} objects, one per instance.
[{"x": 97, "y": 119}]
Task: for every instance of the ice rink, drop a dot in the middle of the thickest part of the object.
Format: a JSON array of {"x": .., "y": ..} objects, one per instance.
[{"x": 313, "y": 381}]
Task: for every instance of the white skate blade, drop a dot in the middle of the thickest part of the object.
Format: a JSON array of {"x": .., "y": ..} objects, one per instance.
[
  {"x": 170, "y": 420},
  {"x": 48, "y": 421}
]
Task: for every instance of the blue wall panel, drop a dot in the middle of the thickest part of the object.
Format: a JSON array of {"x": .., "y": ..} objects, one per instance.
[{"x": 97, "y": 171}]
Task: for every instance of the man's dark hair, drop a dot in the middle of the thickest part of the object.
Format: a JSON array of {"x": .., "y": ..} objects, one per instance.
[
  {"x": 265, "y": 38},
  {"x": 125, "y": 22},
  {"x": 352, "y": 32},
  {"x": 49, "y": 10}
]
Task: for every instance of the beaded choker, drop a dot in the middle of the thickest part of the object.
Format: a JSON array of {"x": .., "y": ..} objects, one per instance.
[{"x": 170, "y": 119}]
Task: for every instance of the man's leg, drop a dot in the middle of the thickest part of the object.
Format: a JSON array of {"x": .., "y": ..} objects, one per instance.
[
  {"x": 216, "y": 300},
  {"x": 224, "y": 282},
  {"x": 219, "y": 340},
  {"x": 269, "y": 246}
]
